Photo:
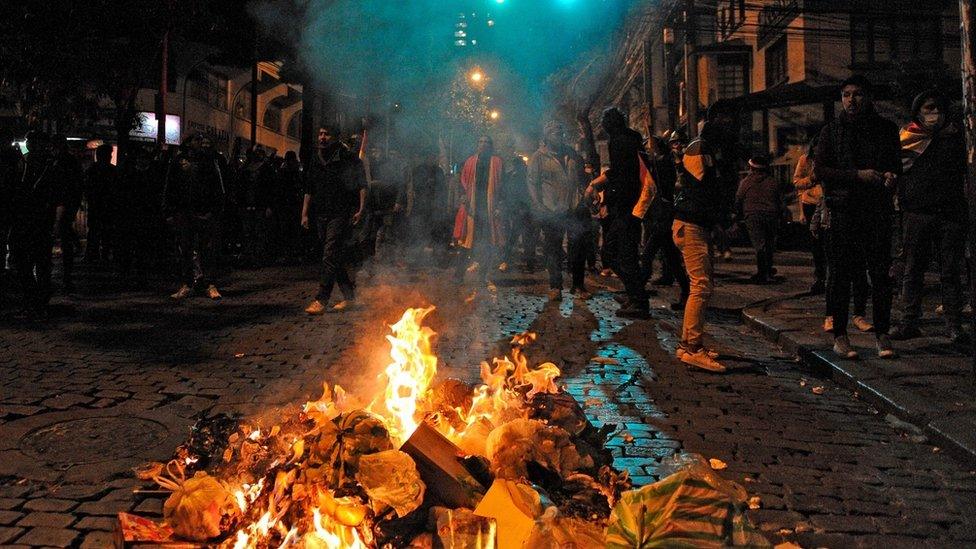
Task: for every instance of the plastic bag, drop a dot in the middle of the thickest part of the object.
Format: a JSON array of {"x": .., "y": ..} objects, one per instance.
[
  {"x": 514, "y": 444},
  {"x": 553, "y": 531},
  {"x": 391, "y": 478},
  {"x": 693, "y": 506},
  {"x": 200, "y": 507}
]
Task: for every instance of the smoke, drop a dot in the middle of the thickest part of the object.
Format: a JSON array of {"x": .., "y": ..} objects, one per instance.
[{"x": 373, "y": 54}]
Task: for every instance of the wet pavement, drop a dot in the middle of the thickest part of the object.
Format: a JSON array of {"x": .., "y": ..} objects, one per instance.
[{"x": 115, "y": 379}]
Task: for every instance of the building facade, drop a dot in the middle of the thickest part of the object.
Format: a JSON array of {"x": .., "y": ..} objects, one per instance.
[{"x": 780, "y": 61}]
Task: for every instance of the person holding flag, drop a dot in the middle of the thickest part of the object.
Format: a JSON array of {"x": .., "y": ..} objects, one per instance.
[{"x": 478, "y": 223}]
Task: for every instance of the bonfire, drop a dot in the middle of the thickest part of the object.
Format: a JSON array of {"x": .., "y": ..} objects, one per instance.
[{"x": 510, "y": 462}]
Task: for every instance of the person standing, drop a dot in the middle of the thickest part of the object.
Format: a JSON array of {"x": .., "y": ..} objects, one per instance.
[
  {"x": 100, "y": 183},
  {"x": 68, "y": 170},
  {"x": 622, "y": 232},
  {"x": 759, "y": 201},
  {"x": 698, "y": 209},
  {"x": 518, "y": 220},
  {"x": 555, "y": 184},
  {"x": 721, "y": 132},
  {"x": 857, "y": 161},
  {"x": 931, "y": 194},
  {"x": 810, "y": 194},
  {"x": 286, "y": 207},
  {"x": 335, "y": 187},
  {"x": 426, "y": 209},
  {"x": 194, "y": 200},
  {"x": 37, "y": 206},
  {"x": 10, "y": 171},
  {"x": 657, "y": 224},
  {"x": 478, "y": 223}
]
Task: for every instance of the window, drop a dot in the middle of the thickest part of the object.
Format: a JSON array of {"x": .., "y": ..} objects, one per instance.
[
  {"x": 875, "y": 40},
  {"x": 294, "y": 129},
  {"x": 730, "y": 16},
  {"x": 208, "y": 88},
  {"x": 777, "y": 71},
  {"x": 733, "y": 77},
  {"x": 272, "y": 117}
]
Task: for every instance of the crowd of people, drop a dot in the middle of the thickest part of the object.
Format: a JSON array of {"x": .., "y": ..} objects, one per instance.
[{"x": 879, "y": 205}]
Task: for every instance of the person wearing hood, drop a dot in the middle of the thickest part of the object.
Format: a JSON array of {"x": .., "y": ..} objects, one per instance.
[
  {"x": 857, "y": 162},
  {"x": 932, "y": 198}
]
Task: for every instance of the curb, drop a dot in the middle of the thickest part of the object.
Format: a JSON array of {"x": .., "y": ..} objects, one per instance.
[{"x": 943, "y": 432}]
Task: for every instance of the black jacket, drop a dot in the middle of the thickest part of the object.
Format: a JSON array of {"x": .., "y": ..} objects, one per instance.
[
  {"x": 698, "y": 193},
  {"x": 849, "y": 144},
  {"x": 935, "y": 184},
  {"x": 623, "y": 185},
  {"x": 195, "y": 185}
]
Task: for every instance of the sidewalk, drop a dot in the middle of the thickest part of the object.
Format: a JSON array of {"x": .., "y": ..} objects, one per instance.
[{"x": 929, "y": 386}]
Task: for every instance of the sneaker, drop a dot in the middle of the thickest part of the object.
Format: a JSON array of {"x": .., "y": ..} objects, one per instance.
[
  {"x": 491, "y": 287},
  {"x": 183, "y": 293},
  {"x": 213, "y": 293},
  {"x": 555, "y": 294},
  {"x": 940, "y": 310},
  {"x": 902, "y": 332},
  {"x": 862, "y": 323},
  {"x": 315, "y": 308},
  {"x": 884, "y": 348},
  {"x": 582, "y": 293},
  {"x": 606, "y": 273},
  {"x": 344, "y": 304},
  {"x": 727, "y": 255},
  {"x": 681, "y": 351},
  {"x": 701, "y": 359},
  {"x": 503, "y": 267},
  {"x": 829, "y": 324},
  {"x": 842, "y": 346},
  {"x": 473, "y": 267}
]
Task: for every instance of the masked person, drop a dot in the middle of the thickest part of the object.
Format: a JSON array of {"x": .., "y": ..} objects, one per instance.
[
  {"x": 556, "y": 182},
  {"x": 193, "y": 203},
  {"x": 478, "y": 224},
  {"x": 931, "y": 193},
  {"x": 622, "y": 232},
  {"x": 37, "y": 205},
  {"x": 657, "y": 224},
  {"x": 858, "y": 161},
  {"x": 335, "y": 193}
]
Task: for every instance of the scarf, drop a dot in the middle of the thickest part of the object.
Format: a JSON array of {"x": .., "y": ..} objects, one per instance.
[{"x": 915, "y": 139}]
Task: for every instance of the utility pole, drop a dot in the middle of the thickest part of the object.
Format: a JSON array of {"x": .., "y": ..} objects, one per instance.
[
  {"x": 967, "y": 24},
  {"x": 691, "y": 69}
]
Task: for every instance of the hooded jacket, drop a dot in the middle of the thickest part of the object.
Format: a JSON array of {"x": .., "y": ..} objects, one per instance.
[{"x": 697, "y": 195}]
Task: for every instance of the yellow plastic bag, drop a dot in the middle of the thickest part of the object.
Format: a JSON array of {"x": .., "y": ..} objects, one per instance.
[{"x": 199, "y": 507}]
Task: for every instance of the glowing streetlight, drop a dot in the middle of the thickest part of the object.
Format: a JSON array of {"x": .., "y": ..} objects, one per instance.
[
  {"x": 477, "y": 76},
  {"x": 494, "y": 115}
]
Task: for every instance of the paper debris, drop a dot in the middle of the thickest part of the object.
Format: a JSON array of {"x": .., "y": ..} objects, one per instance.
[
  {"x": 755, "y": 502},
  {"x": 717, "y": 464},
  {"x": 818, "y": 390}
]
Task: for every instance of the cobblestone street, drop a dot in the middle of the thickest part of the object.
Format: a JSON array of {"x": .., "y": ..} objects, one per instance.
[{"x": 116, "y": 379}]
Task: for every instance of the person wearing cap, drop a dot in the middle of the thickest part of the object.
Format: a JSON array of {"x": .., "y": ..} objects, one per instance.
[
  {"x": 857, "y": 161},
  {"x": 556, "y": 182},
  {"x": 931, "y": 194},
  {"x": 759, "y": 203}
]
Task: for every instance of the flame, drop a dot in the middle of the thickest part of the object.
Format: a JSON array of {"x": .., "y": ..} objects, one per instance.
[
  {"x": 331, "y": 535},
  {"x": 410, "y": 374}
]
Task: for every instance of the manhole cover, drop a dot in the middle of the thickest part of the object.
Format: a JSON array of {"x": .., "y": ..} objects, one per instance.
[{"x": 91, "y": 440}]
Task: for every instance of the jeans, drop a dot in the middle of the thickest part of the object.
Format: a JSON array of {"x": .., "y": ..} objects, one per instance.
[
  {"x": 336, "y": 257},
  {"x": 922, "y": 233},
  {"x": 864, "y": 235},
  {"x": 520, "y": 223},
  {"x": 762, "y": 228},
  {"x": 554, "y": 228},
  {"x": 659, "y": 238},
  {"x": 622, "y": 236},
  {"x": 696, "y": 248},
  {"x": 817, "y": 246},
  {"x": 196, "y": 237}
]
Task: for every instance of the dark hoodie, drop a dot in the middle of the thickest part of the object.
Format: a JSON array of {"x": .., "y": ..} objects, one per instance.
[
  {"x": 852, "y": 143},
  {"x": 935, "y": 182}
]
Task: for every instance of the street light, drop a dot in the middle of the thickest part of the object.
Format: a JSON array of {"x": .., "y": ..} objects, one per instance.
[
  {"x": 494, "y": 115},
  {"x": 476, "y": 76}
]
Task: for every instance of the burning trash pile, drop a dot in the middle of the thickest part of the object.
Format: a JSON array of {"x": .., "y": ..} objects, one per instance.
[{"x": 512, "y": 462}]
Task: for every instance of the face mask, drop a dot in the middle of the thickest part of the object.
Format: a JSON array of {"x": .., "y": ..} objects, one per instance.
[{"x": 932, "y": 120}]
